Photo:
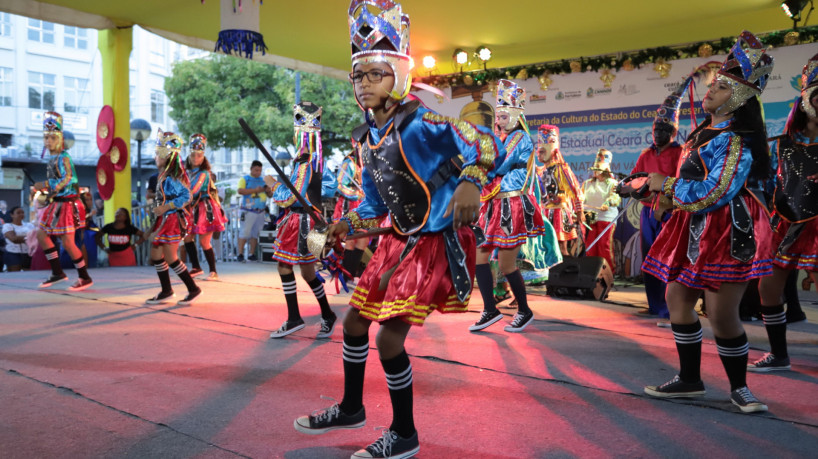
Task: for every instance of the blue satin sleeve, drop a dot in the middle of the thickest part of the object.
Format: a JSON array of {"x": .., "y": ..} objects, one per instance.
[
  {"x": 176, "y": 193},
  {"x": 329, "y": 184},
  {"x": 727, "y": 161},
  {"x": 300, "y": 179},
  {"x": 519, "y": 149}
]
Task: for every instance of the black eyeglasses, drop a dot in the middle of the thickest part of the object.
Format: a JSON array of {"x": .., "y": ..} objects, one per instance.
[{"x": 373, "y": 76}]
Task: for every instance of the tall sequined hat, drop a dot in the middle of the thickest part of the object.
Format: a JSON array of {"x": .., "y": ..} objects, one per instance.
[
  {"x": 52, "y": 124},
  {"x": 198, "y": 142},
  {"x": 668, "y": 112},
  {"x": 546, "y": 132},
  {"x": 167, "y": 143},
  {"x": 809, "y": 84},
  {"x": 511, "y": 100},
  {"x": 379, "y": 32},
  {"x": 746, "y": 69},
  {"x": 603, "y": 160}
]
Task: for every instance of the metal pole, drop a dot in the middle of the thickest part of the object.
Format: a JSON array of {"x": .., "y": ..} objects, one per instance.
[
  {"x": 297, "y": 87},
  {"x": 139, "y": 171}
]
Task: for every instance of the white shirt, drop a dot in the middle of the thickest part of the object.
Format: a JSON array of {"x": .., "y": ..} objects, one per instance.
[
  {"x": 599, "y": 192},
  {"x": 21, "y": 230}
]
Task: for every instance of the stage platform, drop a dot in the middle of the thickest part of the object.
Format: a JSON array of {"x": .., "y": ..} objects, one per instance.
[{"x": 99, "y": 374}]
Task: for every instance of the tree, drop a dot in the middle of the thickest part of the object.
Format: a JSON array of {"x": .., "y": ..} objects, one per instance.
[{"x": 208, "y": 95}]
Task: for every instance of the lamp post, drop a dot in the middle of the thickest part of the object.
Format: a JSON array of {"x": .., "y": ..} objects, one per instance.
[
  {"x": 68, "y": 139},
  {"x": 140, "y": 130},
  {"x": 283, "y": 159}
]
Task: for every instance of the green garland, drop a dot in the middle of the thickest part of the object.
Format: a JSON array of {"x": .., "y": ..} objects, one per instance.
[{"x": 630, "y": 61}]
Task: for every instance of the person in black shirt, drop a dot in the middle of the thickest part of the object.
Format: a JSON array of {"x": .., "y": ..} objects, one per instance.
[
  {"x": 151, "y": 194},
  {"x": 120, "y": 250}
]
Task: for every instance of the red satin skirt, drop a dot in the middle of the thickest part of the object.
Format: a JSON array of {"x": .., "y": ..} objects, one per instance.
[
  {"x": 122, "y": 258},
  {"x": 803, "y": 253},
  {"x": 170, "y": 228},
  {"x": 202, "y": 224},
  {"x": 286, "y": 246},
  {"x": 342, "y": 206},
  {"x": 668, "y": 260},
  {"x": 63, "y": 217},
  {"x": 562, "y": 221},
  {"x": 496, "y": 236},
  {"x": 421, "y": 283}
]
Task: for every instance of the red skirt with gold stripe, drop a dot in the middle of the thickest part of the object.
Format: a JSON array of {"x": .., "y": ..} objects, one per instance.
[
  {"x": 421, "y": 283},
  {"x": 803, "y": 253},
  {"x": 342, "y": 206},
  {"x": 668, "y": 256},
  {"x": 170, "y": 228},
  {"x": 491, "y": 220},
  {"x": 290, "y": 246},
  {"x": 63, "y": 217}
]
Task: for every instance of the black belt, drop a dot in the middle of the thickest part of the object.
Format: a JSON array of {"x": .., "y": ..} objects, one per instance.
[
  {"x": 298, "y": 210},
  {"x": 64, "y": 198},
  {"x": 451, "y": 167}
]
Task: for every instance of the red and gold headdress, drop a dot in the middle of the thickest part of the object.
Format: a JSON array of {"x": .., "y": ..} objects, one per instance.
[
  {"x": 746, "y": 70},
  {"x": 511, "y": 100}
]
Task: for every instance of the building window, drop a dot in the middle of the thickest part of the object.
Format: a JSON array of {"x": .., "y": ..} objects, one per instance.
[
  {"x": 157, "y": 106},
  {"x": 76, "y": 37},
  {"x": 131, "y": 99},
  {"x": 41, "y": 90},
  {"x": 6, "y": 89},
  {"x": 41, "y": 31},
  {"x": 77, "y": 97},
  {"x": 5, "y": 25},
  {"x": 157, "y": 50}
]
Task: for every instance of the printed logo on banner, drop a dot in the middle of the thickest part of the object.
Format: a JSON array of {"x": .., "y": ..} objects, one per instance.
[
  {"x": 537, "y": 98},
  {"x": 568, "y": 95},
  {"x": 795, "y": 82},
  {"x": 591, "y": 92},
  {"x": 628, "y": 90}
]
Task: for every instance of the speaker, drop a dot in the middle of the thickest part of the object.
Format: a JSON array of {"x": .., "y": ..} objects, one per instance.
[{"x": 586, "y": 277}]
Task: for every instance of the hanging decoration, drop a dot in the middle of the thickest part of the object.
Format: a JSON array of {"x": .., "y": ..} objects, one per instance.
[
  {"x": 240, "y": 34},
  {"x": 662, "y": 67},
  {"x": 607, "y": 78},
  {"x": 622, "y": 61}
]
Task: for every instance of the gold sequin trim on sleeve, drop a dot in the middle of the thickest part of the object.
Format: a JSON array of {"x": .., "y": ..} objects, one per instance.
[
  {"x": 727, "y": 174},
  {"x": 476, "y": 173},
  {"x": 667, "y": 187},
  {"x": 356, "y": 222},
  {"x": 484, "y": 143}
]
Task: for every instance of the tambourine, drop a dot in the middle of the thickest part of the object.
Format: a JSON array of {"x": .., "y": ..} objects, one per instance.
[
  {"x": 590, "y": 217},
  {"x": 318, "y": 245},
  {"x": 635, "y": 186}
]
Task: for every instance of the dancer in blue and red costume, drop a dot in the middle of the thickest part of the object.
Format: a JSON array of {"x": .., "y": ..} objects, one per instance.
[
  {"x": 349, "y": 185},
  {"x": 427, "y": 263},
  {"x": 510, "y": 214},
  {"x": 173, "y": 220},
  {"x": 65, "y": 213},
  {"x": 719, "y": 236},
  {"x": 290, "y": 247},
  {"x": 795, "y": 244},
  {"x": 205, "y": 209}
]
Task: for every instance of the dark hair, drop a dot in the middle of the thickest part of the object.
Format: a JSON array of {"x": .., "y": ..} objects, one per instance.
[
  {"x": 799, "y": 119},
  {"x": 205, "y": 166},
  {"x": 748, "y": 122},
  {"x": 11, "y": 211},
  {"x": 256, "y": 163},
  {"x": 127, "y": 216}
]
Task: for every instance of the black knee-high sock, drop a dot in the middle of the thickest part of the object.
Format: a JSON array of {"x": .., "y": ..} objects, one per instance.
[
  {"x": 733, "y": 353},
  {"x": 192, "y": 254},
  {"x": 485, "y": 282},
  {"x": 82, "y": 269},
  {"x": 794, "y": 310},
  {"x": 53, "y": 257},
  {"x": 517, "y": 284},
  {"x": 211, "y": 259},
  {"x": 318, "y": 290},
  {"x": 288, "y": 285},
  {"x": 352, "y": 261},
  {"x": 399, "y": 380},
  {"x": 356, "y": 350},
  {"x": 775, "y": 321},
  {"x": 181, "y": 270},
  {"x": 689, "y": 346},
  {"x": 163, "y": 273}
]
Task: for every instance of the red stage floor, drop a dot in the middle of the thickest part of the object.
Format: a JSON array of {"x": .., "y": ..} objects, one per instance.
[{"x": 99, "y": 374}]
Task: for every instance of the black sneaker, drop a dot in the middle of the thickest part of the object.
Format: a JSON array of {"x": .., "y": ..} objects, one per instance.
[
  {"x": 80, "y": 284},
  {"x": 190, "y": 297},
  {"x": 240, "y": 258},
  {"x": 327, "y": 326},
  {"x": 486, "y": 318},
  {"x": 676, "y": 388},
  {"x": 746, "y": 401},
  {"x": 390, "y": 445},
  {"x": 252, "y": 258},
  {"x": 330, "y": 419},
  {"x": 290, "y": 326},
  {"x": 769, "y": 363},
  {"x": 195, "y": 272},
  {"x": 520, "y": 321},
  {"x": 54, "y": 279},
  {"x": 161, "y": 297}
]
